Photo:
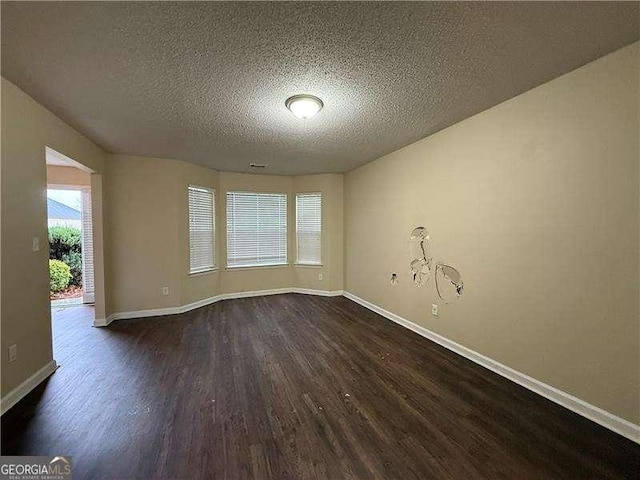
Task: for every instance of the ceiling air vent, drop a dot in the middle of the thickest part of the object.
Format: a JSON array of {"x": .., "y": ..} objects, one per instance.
[{"x": 257, "y": 165}]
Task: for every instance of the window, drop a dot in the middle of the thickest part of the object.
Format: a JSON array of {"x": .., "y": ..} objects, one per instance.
[
  {"x": 309, "y": 228},
  {"x": 256, "y": 229},
  {"x": 202, "y": 229}
]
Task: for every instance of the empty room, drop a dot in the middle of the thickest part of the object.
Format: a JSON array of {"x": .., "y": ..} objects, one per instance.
[{"x": 320, "y": 240}]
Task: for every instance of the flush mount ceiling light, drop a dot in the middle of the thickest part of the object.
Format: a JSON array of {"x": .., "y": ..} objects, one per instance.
[{"x": 304, "y": 106}]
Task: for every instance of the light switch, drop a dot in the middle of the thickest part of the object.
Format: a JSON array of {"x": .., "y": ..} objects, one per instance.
[
  {"x": 35, "y": 244},
  {"x": 434, "y": 310},
  {"x": 13, "y": 353}
]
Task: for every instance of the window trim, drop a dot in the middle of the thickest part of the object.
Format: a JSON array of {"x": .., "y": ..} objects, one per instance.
[
  {"x": 258, "y": 266},
  {"x": 202, "y": 271},
  {"x": 298, "y": 262},
  {"x": 226, "y": 232}
]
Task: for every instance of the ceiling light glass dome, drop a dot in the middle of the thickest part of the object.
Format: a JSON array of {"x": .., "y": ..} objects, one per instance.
[{"x": 304, "y": 106}]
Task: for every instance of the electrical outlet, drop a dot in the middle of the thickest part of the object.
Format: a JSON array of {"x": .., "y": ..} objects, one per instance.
[
  {"x": 434, "y": 310},
  {"x": 165, "y": 290},
  {"x": 35, "y": 244},
  {"x": 13, "y": 353},
  {"x": 320, "y": 277}
]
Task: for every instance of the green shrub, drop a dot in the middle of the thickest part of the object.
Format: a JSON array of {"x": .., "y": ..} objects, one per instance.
[
  {"x": 64, "y": 240},
  {"x": 65, "y": 244},
  {"x": 74, "y": 260},
  {"x": 59, "y": 275}
]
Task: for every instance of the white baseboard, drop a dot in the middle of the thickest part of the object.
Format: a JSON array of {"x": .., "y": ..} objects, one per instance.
[
  {"x": 18, "y": 393},
  {"x": 320, "y": 293},
  {"x": 200, "y": 303},
  {"x": 596, "y": 414},
  {"x": 102, "y": 322},
  {"x": 255, "y": 293},
  {"x": 157, "y": 312}
]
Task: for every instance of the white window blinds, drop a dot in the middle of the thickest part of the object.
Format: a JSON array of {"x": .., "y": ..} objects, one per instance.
[
  {"x": 256, "y": 229},
  {"x": 88, "y": 283},
  {"x": 309, "y": 228},
  {"x": 202, "y": 227}
]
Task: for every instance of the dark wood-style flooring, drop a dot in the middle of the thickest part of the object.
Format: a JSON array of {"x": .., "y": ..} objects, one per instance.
[{"x": 293, "y": 386}]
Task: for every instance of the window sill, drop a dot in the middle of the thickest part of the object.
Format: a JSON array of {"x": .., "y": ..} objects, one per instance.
[
  {"x": 258, "y": 267},
  {"x": 312, "y": 265},
  {"x": 203, "y": 272}
]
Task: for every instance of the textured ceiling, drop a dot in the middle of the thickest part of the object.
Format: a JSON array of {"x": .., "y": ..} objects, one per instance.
[{"x": 207, "y": 82}]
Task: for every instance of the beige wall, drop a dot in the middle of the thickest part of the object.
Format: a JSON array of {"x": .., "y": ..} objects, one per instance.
[
  {"x": 148, "y": 234},
  {"x": 331, "y": 187},
  {"x": 67, "y": 176},
  {"x": 27, "y": 128},
  {"x": 255, "y": 278},
  {"x": 535, "y": 201},
  {"x": 264, "y": 278},
  {"x": 142, "y": 196},
  {"x": 205, "y": 285}
]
